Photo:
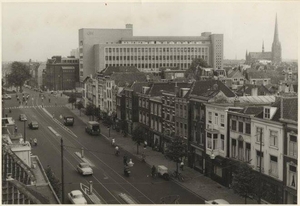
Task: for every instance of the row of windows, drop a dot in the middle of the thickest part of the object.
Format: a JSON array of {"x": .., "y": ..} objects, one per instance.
[
  {"x": 241, "y": 127},
  {"x": 178, "y": 49},
  {"x": 216, "y": 119},
  {"x": 161, "y": 57},
  {"x": 164, "y": 42},
  {"x": 146, "y": 66}
]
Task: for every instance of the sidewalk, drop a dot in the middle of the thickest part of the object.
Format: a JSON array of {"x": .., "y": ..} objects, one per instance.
[{"x": 194, "y": 181}]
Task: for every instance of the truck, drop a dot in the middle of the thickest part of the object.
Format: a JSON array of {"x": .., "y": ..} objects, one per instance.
[
  {"x": 68, "y": 121},
  {"x": 92, "y": 128}
]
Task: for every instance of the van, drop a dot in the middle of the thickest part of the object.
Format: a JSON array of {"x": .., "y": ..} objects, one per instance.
[
  {"x": 68, "y": 121},
  {"x": 92, "y": 128}
]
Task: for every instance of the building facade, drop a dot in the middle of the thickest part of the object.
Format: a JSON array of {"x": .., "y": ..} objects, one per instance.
[{"x": 100, "y": 48}]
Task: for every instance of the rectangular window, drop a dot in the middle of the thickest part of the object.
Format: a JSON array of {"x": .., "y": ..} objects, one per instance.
[
  {"x": 209, "y": 117},
  {"x": 222, "y": 142},
  {"x": 258, "y": 157},
  {"x": 259, "y": 134},
  {"x": 273, "y": 166},
  {"x": 248, "y": 152},
  {"x": 241, "y": 127},
  {"x": 209, "y": 145},
  {"x": 233, "y": 125},
  {"x": 216, "y": 118},
  {"x": 222, "y": 120},
  {"x": 293, "y": 149},
  {"x": 292, "y": 176},
  {"x": 267, "y": 113},
  {"x": 218, "y": 171},
  {"x": 233, "y": 148},
  {"x": 241, "y": 150},
  {"x": 248, "y": 128},
  {"x": 273, "y": 138},
  {"x": 215, "y": 141}
]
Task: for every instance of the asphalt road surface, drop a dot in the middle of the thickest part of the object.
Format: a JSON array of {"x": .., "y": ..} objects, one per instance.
[{"x": 108, "y": 178}]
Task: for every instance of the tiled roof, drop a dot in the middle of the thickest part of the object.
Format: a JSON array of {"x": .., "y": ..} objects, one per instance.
[
  {"x": 137, "y": 86},
  {"x": 254, "y": 99},
  {"x": 126, "y": 78},
  {"x": 252, "y": 110},
  {"x": 114, "y": 69},
  {"x": 235, "y": 73},
  {"x": 247, "y": 88},
  {"x": 156, "y": 88},
  {"x": 289, "y": 108},
  {"x": 201, "y": 88},
  {"x": 272, "y": 74}
]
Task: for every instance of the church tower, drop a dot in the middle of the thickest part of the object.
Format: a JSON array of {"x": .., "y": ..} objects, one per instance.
[
  {"x": 276, "y": 46},
  {"x": 263, "y": 47}
]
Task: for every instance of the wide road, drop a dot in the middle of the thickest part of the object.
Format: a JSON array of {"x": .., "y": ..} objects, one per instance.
[{"x": 108, "y": 179}]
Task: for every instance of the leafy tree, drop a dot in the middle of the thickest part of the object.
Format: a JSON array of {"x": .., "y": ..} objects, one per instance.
[
  {"x": 54, "y": 181},
  {"x": 79, "y": 106},
  {"x": 176, "y": 150},
  {"x": 244, "y": 181},
  {"x": 97, "y": 112},
  {"x": 195, "y": 70},
  {"x": 19, "y": 74},
  {"x": 90, "y": 109},
  {"x": 138, "y": 137},
  {"x": 72, "y": 99}
]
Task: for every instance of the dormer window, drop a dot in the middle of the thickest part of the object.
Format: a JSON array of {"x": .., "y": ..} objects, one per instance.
[{"x": 267, "y": 113}]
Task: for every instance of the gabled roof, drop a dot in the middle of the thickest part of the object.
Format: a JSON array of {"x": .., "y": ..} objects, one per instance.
[
  {"x": 206, "y": 87},
  {"x": 289, "y": 108},
  {"x": 276, "y": 116},
  {"x": 115, "y": 69},
  {"x": 235, "y": 74},
  {"x": 253, "y": 110},
  {"x": 156, "y": 88},
  {"x": 127, "y": 78},
  {"x": 137, "y": 86},
  {"x": 247, "y": 88}
]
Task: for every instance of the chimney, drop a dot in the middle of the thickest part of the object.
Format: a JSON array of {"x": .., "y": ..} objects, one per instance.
[
  {"x": 236, "y": 102},
  {"x": 254, "y": 91}
]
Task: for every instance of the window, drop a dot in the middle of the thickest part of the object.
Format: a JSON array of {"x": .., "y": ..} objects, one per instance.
[
  {"x": 248, "y": 152},
  {"x": 293, "y": 150},
  {"x": 233, "y": 148},
  {"x": 273, "y": 166},
  {"x": 222, "y": 120},
  {"x": 248, "y": 128},
  {"x": 215, "y": 141},
  {"x": 258, "y": 157},
  {"x": 209, "y": 146},
  {"x": 222, "y": 142},
  {"x": 216, "y": 118},
  {"x": 233, "y": 125},
  {"x": 273, "y": 138},
  {"x": 292, "y": 176},
  {"x": 241, "y": 150},
  {"x": 218, "y": 171},
  {"x": 241, "y": 127},
  {"x": 267, "y": 113},
  {"x": 209, "y": 117},
  {"x": 259, "y": 133}
]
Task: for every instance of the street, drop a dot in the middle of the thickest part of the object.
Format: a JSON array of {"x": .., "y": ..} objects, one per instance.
[{"x": 108, "y": 178}]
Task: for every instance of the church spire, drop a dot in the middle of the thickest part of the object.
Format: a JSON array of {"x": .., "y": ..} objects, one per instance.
[
  {"x": 263, "y": 47},
  {"x": 276, "y": 39}
]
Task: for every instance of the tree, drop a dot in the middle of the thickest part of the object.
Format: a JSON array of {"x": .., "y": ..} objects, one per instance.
[
  {"x": 176, "y": 150},
  {"x": 54, "y": 181},
  {"x": 72, "y": 99},
  {"x": 79, "y": 107},
  {"x": 195, "y": 70},
  {"x": 138, "y": 137},
  {"x": 244, "y": 181},
  {"x": 90, "y": 109},
  {"x": 19, "y": 74}
]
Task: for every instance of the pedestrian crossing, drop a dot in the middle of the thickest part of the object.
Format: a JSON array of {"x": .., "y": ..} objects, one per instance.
[{"x": 29, "y": 107}]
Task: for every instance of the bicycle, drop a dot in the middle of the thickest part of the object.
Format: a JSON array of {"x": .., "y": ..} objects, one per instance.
[{"x": 178, "y": 176}]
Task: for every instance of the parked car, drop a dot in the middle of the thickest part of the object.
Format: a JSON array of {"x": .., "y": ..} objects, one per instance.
[
  {"x": 76, "y": 197},
  {"x": 92, "y": 128},
  {"x": 22, "y": 117},
  {"x": 84, "y": 169},
  {"x": 33, "y": 125},
  {"x": 217, "y": 202},
  {"x": 6, "y": 96}
]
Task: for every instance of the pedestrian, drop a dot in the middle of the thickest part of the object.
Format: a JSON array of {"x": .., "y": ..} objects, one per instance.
[
  {"x": 181, "y": 165},
  {"x": 16, "y": 129},
  {"x": 26, "y": 102},
  {"x": 125, "y": 160},
  {"x": 31, "y": 142},
  {"x": 153, "y": 171},
  {"x": 113, "y": 142},
  {"x": 35, "y": 142},
  {"x": 117, "y": 150}
]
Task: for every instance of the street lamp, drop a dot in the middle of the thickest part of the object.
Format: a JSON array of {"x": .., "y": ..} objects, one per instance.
[
  {"x": 25, "y": 130},
  {"x": 62, "y": 171},
  {"x": 212, "y": 157},
  {"x": 108, "y": 132}
]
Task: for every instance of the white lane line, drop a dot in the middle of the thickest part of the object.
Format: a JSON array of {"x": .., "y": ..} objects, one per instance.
[{"x": 53, "y": 131}]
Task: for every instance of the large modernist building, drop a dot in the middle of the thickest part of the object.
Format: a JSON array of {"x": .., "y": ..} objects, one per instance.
[{"x": 100, "y": 48}]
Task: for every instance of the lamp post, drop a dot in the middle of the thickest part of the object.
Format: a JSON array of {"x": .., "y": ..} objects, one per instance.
[
  {"x": 108, "y": 132},
  {"x": 212, "y": 157},
  {"x": 25, "y": 130},
  {"x": 62, "y": 171}
]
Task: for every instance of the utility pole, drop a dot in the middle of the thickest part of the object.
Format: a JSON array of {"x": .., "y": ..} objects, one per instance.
[
  {"x": 24, "y": 130},
  {"x": 62, "y": 172},
  {"x": 260, "y": 156}
]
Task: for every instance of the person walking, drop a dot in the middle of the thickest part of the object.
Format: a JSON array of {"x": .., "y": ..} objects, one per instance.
[
  {"x": 16, "y": 129},
  {"x": 35, "y": 142},
  {"x": 181, "y": 165},
  {"x": 125, "y": 160}
]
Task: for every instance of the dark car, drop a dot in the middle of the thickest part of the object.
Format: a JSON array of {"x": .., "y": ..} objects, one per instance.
[
  {"x": 22, "y": 117},
  {"x": 33, "y": 125}
]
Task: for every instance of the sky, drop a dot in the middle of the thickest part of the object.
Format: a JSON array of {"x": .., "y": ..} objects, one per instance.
[{"x": 37, "y": 31}]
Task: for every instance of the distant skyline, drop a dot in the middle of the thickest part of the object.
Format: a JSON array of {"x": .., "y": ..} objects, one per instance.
[{"x": 39, "y": 31}]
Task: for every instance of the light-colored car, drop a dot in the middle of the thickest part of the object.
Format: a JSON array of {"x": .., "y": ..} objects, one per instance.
[
  {"x": 6, "y": 96},
  {"x": 84, "y": 169},
  {"x": 217, "y": 202},
  {"x": 76, "y": 197},
  {"x": 22, "y": 117}
]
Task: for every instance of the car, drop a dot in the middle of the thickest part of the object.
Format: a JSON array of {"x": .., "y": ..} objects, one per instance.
[
  {"x": 84, "y": 168},
  {"x": 92, "y": 128},
  {"x": 22, "y": 117},
  {"x": 33, "y": 125},
  {"x": 76, "y": 197},
  {"x": 217, "y": 202},
  {"x": 6, "y": 96}
]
